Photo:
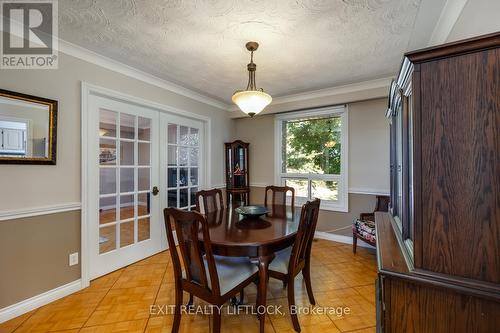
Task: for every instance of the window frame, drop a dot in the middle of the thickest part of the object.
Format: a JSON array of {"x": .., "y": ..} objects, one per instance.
[{"x": 342, "y": 204}]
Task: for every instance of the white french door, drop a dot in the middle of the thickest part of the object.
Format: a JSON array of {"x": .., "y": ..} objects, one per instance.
[
  {"x": 182, "y": 160},
  {"x": 138, "y": 161},
  {"x": 123, "y": 210}
]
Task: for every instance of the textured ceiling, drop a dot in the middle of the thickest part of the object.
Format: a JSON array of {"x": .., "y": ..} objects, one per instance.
[{"x": 199, "y": 44}]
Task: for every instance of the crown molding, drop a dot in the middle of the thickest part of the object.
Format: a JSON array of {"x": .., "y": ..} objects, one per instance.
[
  {"x": 119, "y": 67},
  {"x": 338, "y": 90},
  {"x": 449, "y": 16},
  {"x": 332, "y": 91},
  {"x": 449, "y": 13}
]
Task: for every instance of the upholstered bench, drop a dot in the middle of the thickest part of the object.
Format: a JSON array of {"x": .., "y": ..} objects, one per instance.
[{"x": 364, "y": 230}]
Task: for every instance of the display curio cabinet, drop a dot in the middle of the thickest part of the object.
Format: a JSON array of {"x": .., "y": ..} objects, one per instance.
[
  {"x": 237, "y": 176},
  {"x": 438, "y": 247}
]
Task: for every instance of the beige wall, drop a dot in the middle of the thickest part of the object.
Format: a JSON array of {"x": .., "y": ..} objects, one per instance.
[
  {"x": 478, "y": 17},
  {"x": 49, "y": 185},
  {"x": 368, "y": 159},
  {"x": 259, "y": 131},
  {"x": 34, "y": 251},
  {"x": 334, "y": 99},
  {"x": 34, "y": 255},
  {"x": 368, "y": 146}
]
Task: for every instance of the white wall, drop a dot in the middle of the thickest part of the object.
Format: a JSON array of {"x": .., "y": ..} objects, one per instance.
[
  {"x": 369, "y": 147},
  {"x": 478, "y": 17},
  {"x": 29, "y": 186}
]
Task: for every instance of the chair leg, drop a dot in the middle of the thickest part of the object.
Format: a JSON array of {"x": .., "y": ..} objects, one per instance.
[
  {"x": 291, "y": 305},
  {"x": 354, "y": 243},
  {"x": 257, "y": 296},
  {"x": 284, "y": 284},
  {"x": 216, "y": 320},
  {"x": 242, "y": 296},
  {"x": 190, "y": 302},
  {"x": 306, "y": 273},
  {"x": 177, "y": 312}
]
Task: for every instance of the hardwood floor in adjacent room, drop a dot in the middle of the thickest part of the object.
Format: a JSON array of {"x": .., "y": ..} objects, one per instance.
[{"x": 121, "y": 301}]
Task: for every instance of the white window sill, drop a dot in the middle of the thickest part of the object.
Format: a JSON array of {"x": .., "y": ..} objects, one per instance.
[{"x": 333, "y": 207}]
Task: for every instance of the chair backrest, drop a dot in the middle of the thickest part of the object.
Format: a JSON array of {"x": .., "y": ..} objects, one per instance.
[
  {"x": 188, "y": 226},
  {"x": 278, "y": 199},
  {"x": 211, "y": 201},
  {"x": 382, "y": 203},
  {"x": 305, "y": 234}
]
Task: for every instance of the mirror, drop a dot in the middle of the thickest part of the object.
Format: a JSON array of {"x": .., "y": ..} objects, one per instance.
[{"x": 27, "y": 129}]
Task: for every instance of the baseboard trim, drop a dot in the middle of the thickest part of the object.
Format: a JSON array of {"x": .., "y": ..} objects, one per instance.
[
  {"x": 15, "y": 310},
  {"x": 339, "y": 238}
]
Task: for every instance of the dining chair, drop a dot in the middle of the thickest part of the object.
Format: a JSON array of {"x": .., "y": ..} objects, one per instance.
[
  {"x": 278, "y": 199},
  {"x": 214, "y": 279},
  {"x": 364, "y": 227},
  {"x": 211, "y": 201},
  {"x": 297, "y": 258}
]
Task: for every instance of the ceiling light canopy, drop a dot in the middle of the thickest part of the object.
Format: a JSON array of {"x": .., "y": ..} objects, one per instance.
[{"x": 251, "y": 100}]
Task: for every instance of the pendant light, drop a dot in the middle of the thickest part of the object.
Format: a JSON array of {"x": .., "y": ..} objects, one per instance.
[{"x": 251, "y": 100}]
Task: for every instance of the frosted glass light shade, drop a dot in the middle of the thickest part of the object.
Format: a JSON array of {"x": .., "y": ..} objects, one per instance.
[{"x": 251, "y": 101}]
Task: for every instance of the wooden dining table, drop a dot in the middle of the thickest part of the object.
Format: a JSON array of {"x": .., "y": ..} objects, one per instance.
[{"x": 232, "y": 234}]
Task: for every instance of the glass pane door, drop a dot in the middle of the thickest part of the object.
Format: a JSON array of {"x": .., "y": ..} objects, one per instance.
[
  {"x": 124, "y": 179},
  {"x": 183, "y": 169},
  {"x": 124, "y": 219}
]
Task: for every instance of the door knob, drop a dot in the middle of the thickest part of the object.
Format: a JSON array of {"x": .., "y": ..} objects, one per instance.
[{"x": 155, "y": 190}]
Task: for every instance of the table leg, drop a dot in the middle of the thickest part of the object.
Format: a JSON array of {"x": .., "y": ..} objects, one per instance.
[{"x": 262, "y": 291}]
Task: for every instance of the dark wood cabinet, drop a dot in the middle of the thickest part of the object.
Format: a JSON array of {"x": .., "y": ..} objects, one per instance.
[
  {"x": 439, "y": 245},
  {"x": 237, "y": 172}
]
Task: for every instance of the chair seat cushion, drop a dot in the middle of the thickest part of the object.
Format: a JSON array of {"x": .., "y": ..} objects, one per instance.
[
  {"x": 231, "y": 271},
  {"x": 281, "y": 260},
  {"x": 365, "y": 229}
]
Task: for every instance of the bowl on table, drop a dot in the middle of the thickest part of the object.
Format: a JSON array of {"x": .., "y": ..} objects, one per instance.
[{"x": 251, "y": 211}]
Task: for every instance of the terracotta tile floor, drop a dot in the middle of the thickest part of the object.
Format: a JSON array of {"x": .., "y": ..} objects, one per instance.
[{"x": 120, "y": 301}]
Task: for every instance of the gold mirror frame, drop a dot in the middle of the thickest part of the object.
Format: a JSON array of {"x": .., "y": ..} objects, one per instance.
[{"x": 52, "y": 105}]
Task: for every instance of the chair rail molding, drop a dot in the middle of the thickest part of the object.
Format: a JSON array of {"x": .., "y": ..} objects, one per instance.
[
  {"x": 367, "y": 190},
  {"x": 7, "y": 215}
]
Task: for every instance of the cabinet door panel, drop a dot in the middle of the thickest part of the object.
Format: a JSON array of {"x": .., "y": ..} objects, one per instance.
[
  {"x": 460, "y": 166},
  {"x": 13, "y": 139}
]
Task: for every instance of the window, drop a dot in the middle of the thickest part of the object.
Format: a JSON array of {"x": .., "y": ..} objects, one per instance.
[{"x": 312, "y": 155}]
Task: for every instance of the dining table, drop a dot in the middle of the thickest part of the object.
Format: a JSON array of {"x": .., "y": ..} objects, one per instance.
[{"x": 257, "y": 238}]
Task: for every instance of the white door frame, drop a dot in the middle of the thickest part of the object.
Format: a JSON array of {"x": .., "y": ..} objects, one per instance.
[{"x": 88, "y": 89}]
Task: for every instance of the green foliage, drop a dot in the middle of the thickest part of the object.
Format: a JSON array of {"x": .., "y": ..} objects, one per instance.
[{"x": 313, "y": 146}]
